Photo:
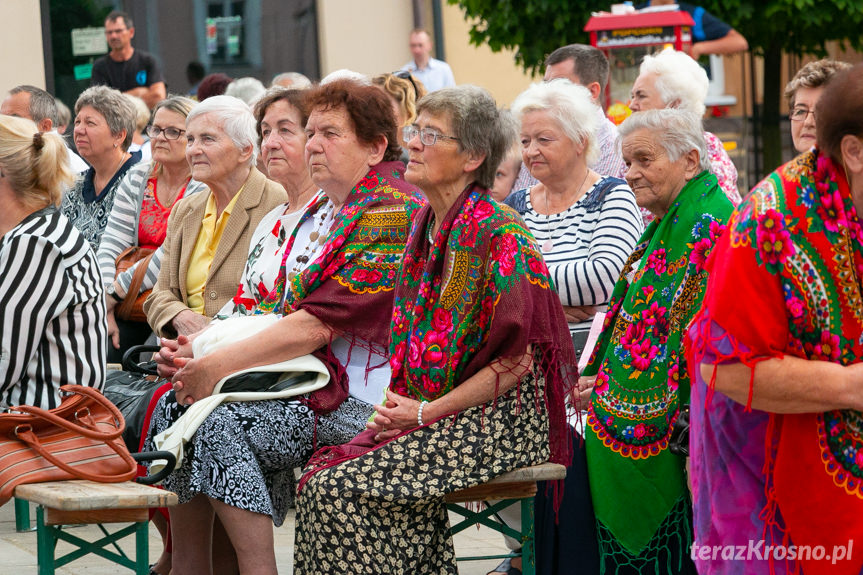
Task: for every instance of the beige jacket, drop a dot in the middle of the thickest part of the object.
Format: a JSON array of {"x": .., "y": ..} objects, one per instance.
[{"x": 169, "y": 296}]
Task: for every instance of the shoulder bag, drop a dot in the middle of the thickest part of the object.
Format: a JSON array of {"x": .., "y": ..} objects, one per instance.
[
  {"x": 132, "y": 307},
  {"x": 79, "y": 439}
]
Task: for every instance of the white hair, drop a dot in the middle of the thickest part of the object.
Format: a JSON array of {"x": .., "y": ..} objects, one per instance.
[
  {"x": 678, "y": 132},
  {"x": 345, "y": 74},
  {"x": 679, "y": 79},
  {"x": 247, "y": 89},
  {"x": 236, "y": 120},
  {"x": 569, "y": 104},
  {"x": 292, "y": 80}
]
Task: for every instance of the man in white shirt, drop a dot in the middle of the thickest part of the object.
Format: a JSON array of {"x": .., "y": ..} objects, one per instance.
[
  {"x": 434, "y": 74},
  {"x": 586, "y": 66},
  {"x": 38, "y": 105}
]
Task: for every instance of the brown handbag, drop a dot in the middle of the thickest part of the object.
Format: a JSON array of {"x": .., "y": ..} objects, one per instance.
[
  {"x": 79, "y": 439},
  {"x": 132, "y": 309}
]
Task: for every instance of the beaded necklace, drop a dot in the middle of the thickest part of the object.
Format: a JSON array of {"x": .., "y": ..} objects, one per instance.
[{"x": 316, "y": 239}]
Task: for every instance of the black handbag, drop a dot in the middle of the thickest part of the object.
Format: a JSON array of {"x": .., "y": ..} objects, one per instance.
[
  {"x": 131, "y": 391},
  {"x": 678, "y": 442}
]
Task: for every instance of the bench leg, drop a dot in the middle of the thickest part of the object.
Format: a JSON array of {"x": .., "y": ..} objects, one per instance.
[
  {"x": 22, "y": 515},
  {"x": 528, "y": 538},
  {"x": 46, "y": 542},
  {"x": 142, "y": 548}
]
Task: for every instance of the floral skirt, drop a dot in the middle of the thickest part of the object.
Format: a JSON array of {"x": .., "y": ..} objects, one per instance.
[
  {"x": 244, "y": 453},
  {"x": 383, "y": 512}
]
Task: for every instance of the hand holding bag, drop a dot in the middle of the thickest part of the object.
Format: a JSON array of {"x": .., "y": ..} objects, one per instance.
[
  {"x": 79, "y": 439},
  {"x": 132, "y": 307}
]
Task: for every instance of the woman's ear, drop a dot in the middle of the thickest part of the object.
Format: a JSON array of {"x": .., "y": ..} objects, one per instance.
[
  {"x": 377, "y": 149},
  {"x": 693, "y": 164},
  {"x": 474, "y": 161}
]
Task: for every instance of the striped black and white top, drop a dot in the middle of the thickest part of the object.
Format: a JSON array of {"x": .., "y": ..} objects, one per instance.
[
  {"x": 52, "y": 311},
  {"x": 590, "y": 241}
]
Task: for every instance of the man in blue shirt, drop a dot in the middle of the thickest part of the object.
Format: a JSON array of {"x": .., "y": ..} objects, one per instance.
[{"x": 434, "y": 74}]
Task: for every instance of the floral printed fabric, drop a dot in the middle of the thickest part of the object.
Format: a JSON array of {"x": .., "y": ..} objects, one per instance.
[
  {"x": 383, "y": 512},
  {"x": 641, "y": 374},
  {"x": 722, "y": 167},
  {"x": 794, "y": 256},
  {"x": 358, "y": 264},
  {"x": 153, "y": 221}
]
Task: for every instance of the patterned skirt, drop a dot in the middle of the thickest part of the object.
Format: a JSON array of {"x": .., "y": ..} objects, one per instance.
[
  {"x": 244, "y": 453},
  {"x": 383, "y": 512}
]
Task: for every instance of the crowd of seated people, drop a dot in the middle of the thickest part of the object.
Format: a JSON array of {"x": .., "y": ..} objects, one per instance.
[{"x": 440, "y": 259}]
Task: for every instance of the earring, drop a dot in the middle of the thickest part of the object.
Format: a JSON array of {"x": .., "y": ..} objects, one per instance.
[{"x": 115, "y": 144}]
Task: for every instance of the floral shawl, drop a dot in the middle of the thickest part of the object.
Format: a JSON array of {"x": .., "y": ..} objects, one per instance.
[
  {"x": 785, "y": 280},
  {"x": 479, "y": 293},
  {"x": 350, "y": 285},
  {"x": 641, "y": 382}
]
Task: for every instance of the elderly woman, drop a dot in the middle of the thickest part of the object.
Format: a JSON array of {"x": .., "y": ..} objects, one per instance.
[
  {"x": 208, "y": 235},
  {"x": 585, "y": 224},
  {"x": 803, "y": 92},
  {"x": 776, "y": 451},
  {"x": 51, "y": 304},
  {"x": 281, "y": 120},
  {"x": 673, "y": 79},
  {"x": 331, "y": 279},
  {"x": 479, "y": 350},
  {"x": 104, "y": 122},
  {"x": 637, "y": 370},
  {"x": 145, "y": 198}
]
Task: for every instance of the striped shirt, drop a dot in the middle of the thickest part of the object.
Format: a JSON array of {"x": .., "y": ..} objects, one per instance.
[
  {"x": 121, "y": 232},
  {"x": 590, "y": 241},
  {"x": 52, "y": 311}
]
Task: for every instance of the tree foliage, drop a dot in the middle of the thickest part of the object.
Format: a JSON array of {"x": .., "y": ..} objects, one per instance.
[{"x": 533, "y": 28}]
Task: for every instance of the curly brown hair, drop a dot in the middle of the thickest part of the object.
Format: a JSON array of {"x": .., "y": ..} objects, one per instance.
[{"x": 368, "y": 108}]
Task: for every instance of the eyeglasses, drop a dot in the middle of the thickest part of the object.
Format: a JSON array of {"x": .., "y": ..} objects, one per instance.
[
  {"x": 428, "y": 136},
  {"x": 799, "y": 114},
  {"x": 169, "y": 133},
  {"x": 405, "y": 75}
]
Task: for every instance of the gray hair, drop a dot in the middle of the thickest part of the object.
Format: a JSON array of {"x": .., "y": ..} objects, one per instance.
[
  {"x": 118, "y": 111},
  {"x": 813, "y": 75},
  {"x": 42, "y": 104},
  {"x": 679, "y": 79},
  {"x": 247, "y": 89},
  {"x": 569, "y": 104},
  {"x": 678, "y": 132},
  {"x": 292, "y": 80},
  {"x": 345, "y": 74},
  {"x": 476, "y": 122},
  {"x": 142, "y": 112},
  {"x": 236, "y": 120}
]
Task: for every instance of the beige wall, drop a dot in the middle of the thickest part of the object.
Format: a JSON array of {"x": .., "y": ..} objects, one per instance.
[
  {"x": 21, "y": 60},
  {"x": 496, "y": 72},
  {"x": 367, "y": 36},
  {"x": 386, "y": 23}
]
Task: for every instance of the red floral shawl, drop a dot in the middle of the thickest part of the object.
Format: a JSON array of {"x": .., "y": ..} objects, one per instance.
[
  {"x": 350, "y": 285},
  {"x": 785, "y": 279},
  {"x": 481, "y": 292}
]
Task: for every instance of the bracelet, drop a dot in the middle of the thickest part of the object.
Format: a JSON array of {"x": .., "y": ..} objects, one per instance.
[{"x": 420, "y": 413}]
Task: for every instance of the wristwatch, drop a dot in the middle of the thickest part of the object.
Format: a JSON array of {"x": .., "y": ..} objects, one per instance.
[{"x": 112, "y": 291}]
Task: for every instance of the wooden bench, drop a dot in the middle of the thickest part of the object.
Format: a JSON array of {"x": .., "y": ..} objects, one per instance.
[
  {"x": 77, "y": 502},
  {"x": 518, "y": 485}
]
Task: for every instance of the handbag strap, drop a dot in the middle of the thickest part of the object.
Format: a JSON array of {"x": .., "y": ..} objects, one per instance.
[
  {"x": 32, "y": 440},
  {"x": 86, "y": 431},
  {"x": 124, "y": 310}
]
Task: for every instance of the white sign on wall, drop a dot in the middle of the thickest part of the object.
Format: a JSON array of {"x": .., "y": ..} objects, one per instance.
[{"x": 88, "y": 41}]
